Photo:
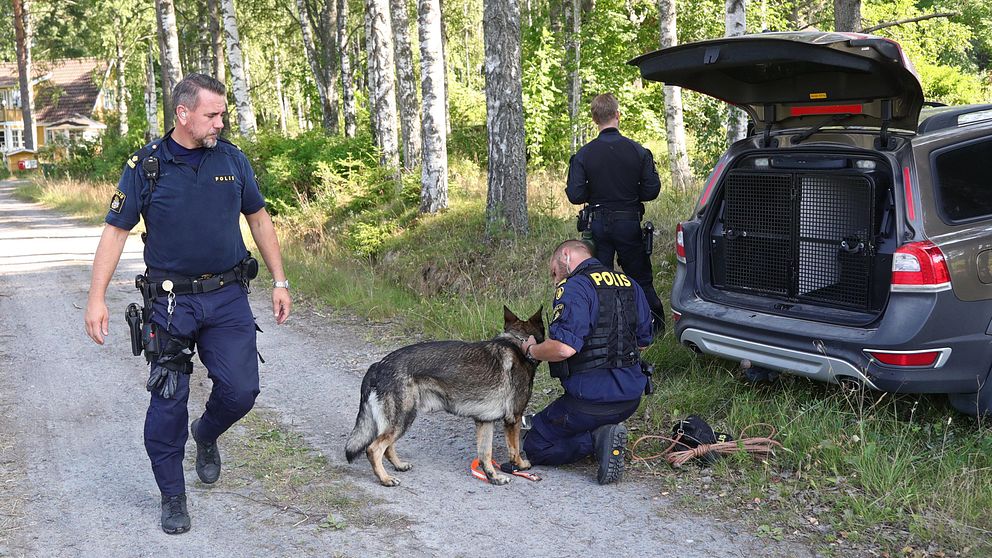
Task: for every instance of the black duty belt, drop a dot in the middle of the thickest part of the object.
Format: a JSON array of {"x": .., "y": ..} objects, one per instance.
[
  {"x": 616, "y": 215},
  {"x": 197, "y": 285}
]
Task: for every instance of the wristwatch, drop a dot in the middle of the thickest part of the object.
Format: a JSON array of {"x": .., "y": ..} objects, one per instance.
[{"x": 280, "y": 284}]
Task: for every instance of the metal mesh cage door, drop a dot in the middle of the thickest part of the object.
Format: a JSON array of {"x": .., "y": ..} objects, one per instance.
[
  {"x": 758, "y": 225},
  {"x": 835, "y": 242}
]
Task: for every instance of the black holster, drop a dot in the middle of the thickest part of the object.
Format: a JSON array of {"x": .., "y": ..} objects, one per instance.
[{"x": 647, "y": 236}]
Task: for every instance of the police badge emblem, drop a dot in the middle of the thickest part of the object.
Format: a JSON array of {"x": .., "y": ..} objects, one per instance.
[{"x": 117, "y": 202}]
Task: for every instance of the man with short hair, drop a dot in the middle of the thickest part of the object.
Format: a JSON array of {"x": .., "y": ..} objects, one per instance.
[
  {"x": 600, "y": 323},
  {"x": 614, "y": 175},
  {"x": 191, "y": 187}
]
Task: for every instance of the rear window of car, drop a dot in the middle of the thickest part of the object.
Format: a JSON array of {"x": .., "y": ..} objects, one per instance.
[{"x": 964, "y": 182}]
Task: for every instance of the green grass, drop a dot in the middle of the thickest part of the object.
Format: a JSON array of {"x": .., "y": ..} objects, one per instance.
[
  {"x": 876, "y": 470},
  {"x": 88, "y": 201}
]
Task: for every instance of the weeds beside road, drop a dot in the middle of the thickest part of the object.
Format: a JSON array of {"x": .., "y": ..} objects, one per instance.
[{"x": 883, "y": 473}]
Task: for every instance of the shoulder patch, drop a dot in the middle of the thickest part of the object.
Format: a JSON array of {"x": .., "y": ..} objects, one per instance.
[
  {"x": 556, "y": 313},
  {"x": 117, "y": 201},
  {"x": 559, "y": 291}
]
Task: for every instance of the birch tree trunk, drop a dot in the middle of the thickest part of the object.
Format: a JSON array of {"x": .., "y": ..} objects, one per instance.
[
  {"x": 22, "y": 37},
  {"x": 573, "y": 30},
  {"x": 278, "y": 77},
  {"x": 303, "y": 15},
  {"x": 434, "y": 170},
  {"x": 122, "y": 126},
  {"x": 736, "y": 25},
  {"x": 172, "y": 70},
  {"x": 151, "y": 97},
  {"x": 216, "y": 41},
  {"x": 847, "y": 15},
  {"x": 506, "y": 202},
  {"x": 678, "y": 158},
  {"x": 239, "y": 77},
  {"x": 347, "y": 82},
  {"x": 406, "y": 85},
  {"x": 381, "y": 84},
  {"x": 329, "y": 61}
]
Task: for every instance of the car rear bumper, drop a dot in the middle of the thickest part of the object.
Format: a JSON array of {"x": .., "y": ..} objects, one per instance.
[{"x": 832, "y": 352}]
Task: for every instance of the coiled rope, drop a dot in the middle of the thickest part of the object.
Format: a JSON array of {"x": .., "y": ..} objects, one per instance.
[{"x": 757, "y": 446}]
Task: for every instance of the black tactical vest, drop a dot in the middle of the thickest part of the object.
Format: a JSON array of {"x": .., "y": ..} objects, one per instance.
[{"x": 613, "y": 342}]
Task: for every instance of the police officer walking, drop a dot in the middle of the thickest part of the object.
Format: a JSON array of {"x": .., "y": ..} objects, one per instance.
[
  {"x": 191, "y": 187},
  {"x": 614, "y": 175},
  {"x": 600, "y": 323}
]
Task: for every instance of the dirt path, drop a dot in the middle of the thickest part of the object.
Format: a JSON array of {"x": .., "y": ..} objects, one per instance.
[{"x": 75, "y": 481}]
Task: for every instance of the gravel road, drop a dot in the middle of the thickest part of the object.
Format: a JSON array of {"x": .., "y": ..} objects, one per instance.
[{"x": 75, "y": 480}]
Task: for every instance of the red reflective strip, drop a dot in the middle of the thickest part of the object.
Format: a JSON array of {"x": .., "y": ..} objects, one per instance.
[
  {"x": 826, "y": 109},
  {"x": 907, "y": 359},
  {"x": 709, "y": 185},
  {"x": 908, "y": 186}
]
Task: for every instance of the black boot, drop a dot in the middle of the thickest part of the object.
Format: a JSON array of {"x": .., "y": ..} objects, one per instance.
[
  {"x": 175, "y": 518},
  {"x": 207, "y": 457},
  {"x": 610, "y": 441}
]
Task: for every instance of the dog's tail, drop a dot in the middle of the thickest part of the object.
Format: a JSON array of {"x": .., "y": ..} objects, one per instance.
[{"x": 370, "y": 414}]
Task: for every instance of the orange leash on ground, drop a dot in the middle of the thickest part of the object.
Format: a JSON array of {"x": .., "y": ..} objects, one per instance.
[
  {"x": 481, "y": 475},
  {"x": 761, "y": 447}
]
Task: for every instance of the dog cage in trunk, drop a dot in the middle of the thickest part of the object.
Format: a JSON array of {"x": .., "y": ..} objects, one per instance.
[{"x": 803, "y": 236}]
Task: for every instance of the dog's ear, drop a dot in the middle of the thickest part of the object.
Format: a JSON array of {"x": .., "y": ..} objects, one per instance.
[
  {"x": 538, "y": 317},
  {"x": 508, "y": 316}
]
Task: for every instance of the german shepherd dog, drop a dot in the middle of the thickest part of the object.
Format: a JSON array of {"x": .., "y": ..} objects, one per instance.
[{"x": 487, "y": 381}]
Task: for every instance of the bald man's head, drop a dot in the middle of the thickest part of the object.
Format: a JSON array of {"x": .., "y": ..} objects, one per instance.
[{"x": 566, "y": 257}]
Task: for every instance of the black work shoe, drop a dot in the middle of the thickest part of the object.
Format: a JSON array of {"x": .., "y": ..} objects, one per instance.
[
  {"x": 610, "y": 441},
  {"x": 207, "y": 457},
  {"x": 175, "y": 518}
]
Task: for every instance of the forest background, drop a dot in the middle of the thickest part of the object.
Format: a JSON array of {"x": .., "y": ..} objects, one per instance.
[{"x": 414, "y": 153}]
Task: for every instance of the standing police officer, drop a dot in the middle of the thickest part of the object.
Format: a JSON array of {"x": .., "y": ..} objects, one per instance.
[
  {"x": 191, "y": 187},
  {"x": 601, "y": 321},
  {"x": 614, "y": 175}
]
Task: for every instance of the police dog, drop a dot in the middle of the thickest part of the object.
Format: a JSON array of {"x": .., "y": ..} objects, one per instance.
[{"x": 487, "y": 381}]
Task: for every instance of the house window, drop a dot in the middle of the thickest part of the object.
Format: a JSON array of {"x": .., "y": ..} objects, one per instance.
[
  {"x": 15, "y": 96},
  {"x": 3, "y": 140},
  {"x": 16, "y": 139}
]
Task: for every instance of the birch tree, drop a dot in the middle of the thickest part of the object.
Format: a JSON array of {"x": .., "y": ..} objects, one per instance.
[
  {"x": 172, "y": 70},
  {"x": 22, "y": 37},
  {"x": 382, "y": 90},
  {"x": 434, "y": 169},
  {"x": 736, "y": 25},
  {"x": 239, "y": 73},
  {"x": 327, "y": 113},
  {"x": 121, "y": 89},
  {"x": 151, "y": 97},
  {"x": 216, "y": 41},
  {"x": 847, "y": 15},
  {"x": 573, "y": 32},
  {"x": 406, "y": 84},
  {"x": 280, "y": 98},
  {"x": 506, "y": 201},
  {"x": 678, "y": 158},
  {"x": 329, "y": 60},
  {"x": 347, "y": 82}
]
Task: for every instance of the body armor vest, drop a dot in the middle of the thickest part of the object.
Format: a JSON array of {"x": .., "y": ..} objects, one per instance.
[{"x": 613, "y": 342}]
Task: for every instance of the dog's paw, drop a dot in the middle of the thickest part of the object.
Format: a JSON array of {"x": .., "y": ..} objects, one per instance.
[
  {"x": 390, "y": 481},
  {"x": 403, "y": 466},
  {"x": 499, "y": 479},
  {"x": 523, "y": 464}
]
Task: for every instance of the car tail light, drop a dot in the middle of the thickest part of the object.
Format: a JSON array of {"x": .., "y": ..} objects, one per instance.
[
  {"x": 679, "y": 243},
  {"x": 676, "y": 316},
  {"x": 920, "y": 267},
  {"x": 933, "y": 358},
  {"x": 709, "y": 185}
]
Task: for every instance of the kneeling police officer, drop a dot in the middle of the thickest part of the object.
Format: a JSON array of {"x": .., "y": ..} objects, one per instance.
[
  {"x": 600, "y": 324},
  {"x": 191, "y": 187}
]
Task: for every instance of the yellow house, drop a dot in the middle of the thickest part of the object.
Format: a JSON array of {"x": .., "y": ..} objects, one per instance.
[{"x": 68, "y": 100}]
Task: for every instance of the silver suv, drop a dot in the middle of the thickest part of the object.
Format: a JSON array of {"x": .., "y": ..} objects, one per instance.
[{"x": 850, "y": 236}]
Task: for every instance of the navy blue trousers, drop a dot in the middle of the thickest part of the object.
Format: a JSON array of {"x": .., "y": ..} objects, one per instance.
[
  {"x": 562, "y": 432},
  {"x": 223, "y": 327},
  {"x": 621, "y": 239}
]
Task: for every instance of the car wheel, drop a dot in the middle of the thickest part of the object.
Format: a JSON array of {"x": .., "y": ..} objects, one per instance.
[{"x": 974, "y": 404}]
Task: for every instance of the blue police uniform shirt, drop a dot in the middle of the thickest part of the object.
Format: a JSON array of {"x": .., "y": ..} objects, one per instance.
[
  {"x": 192, "y": 217},
  {"x": 576, "y": 310}
]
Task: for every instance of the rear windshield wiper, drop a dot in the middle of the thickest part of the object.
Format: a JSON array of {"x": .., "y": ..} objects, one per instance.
[{"x": 831, "y": 122}]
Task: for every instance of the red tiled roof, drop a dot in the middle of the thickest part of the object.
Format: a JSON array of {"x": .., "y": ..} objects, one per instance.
[{"x": 71, "y": 88}]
